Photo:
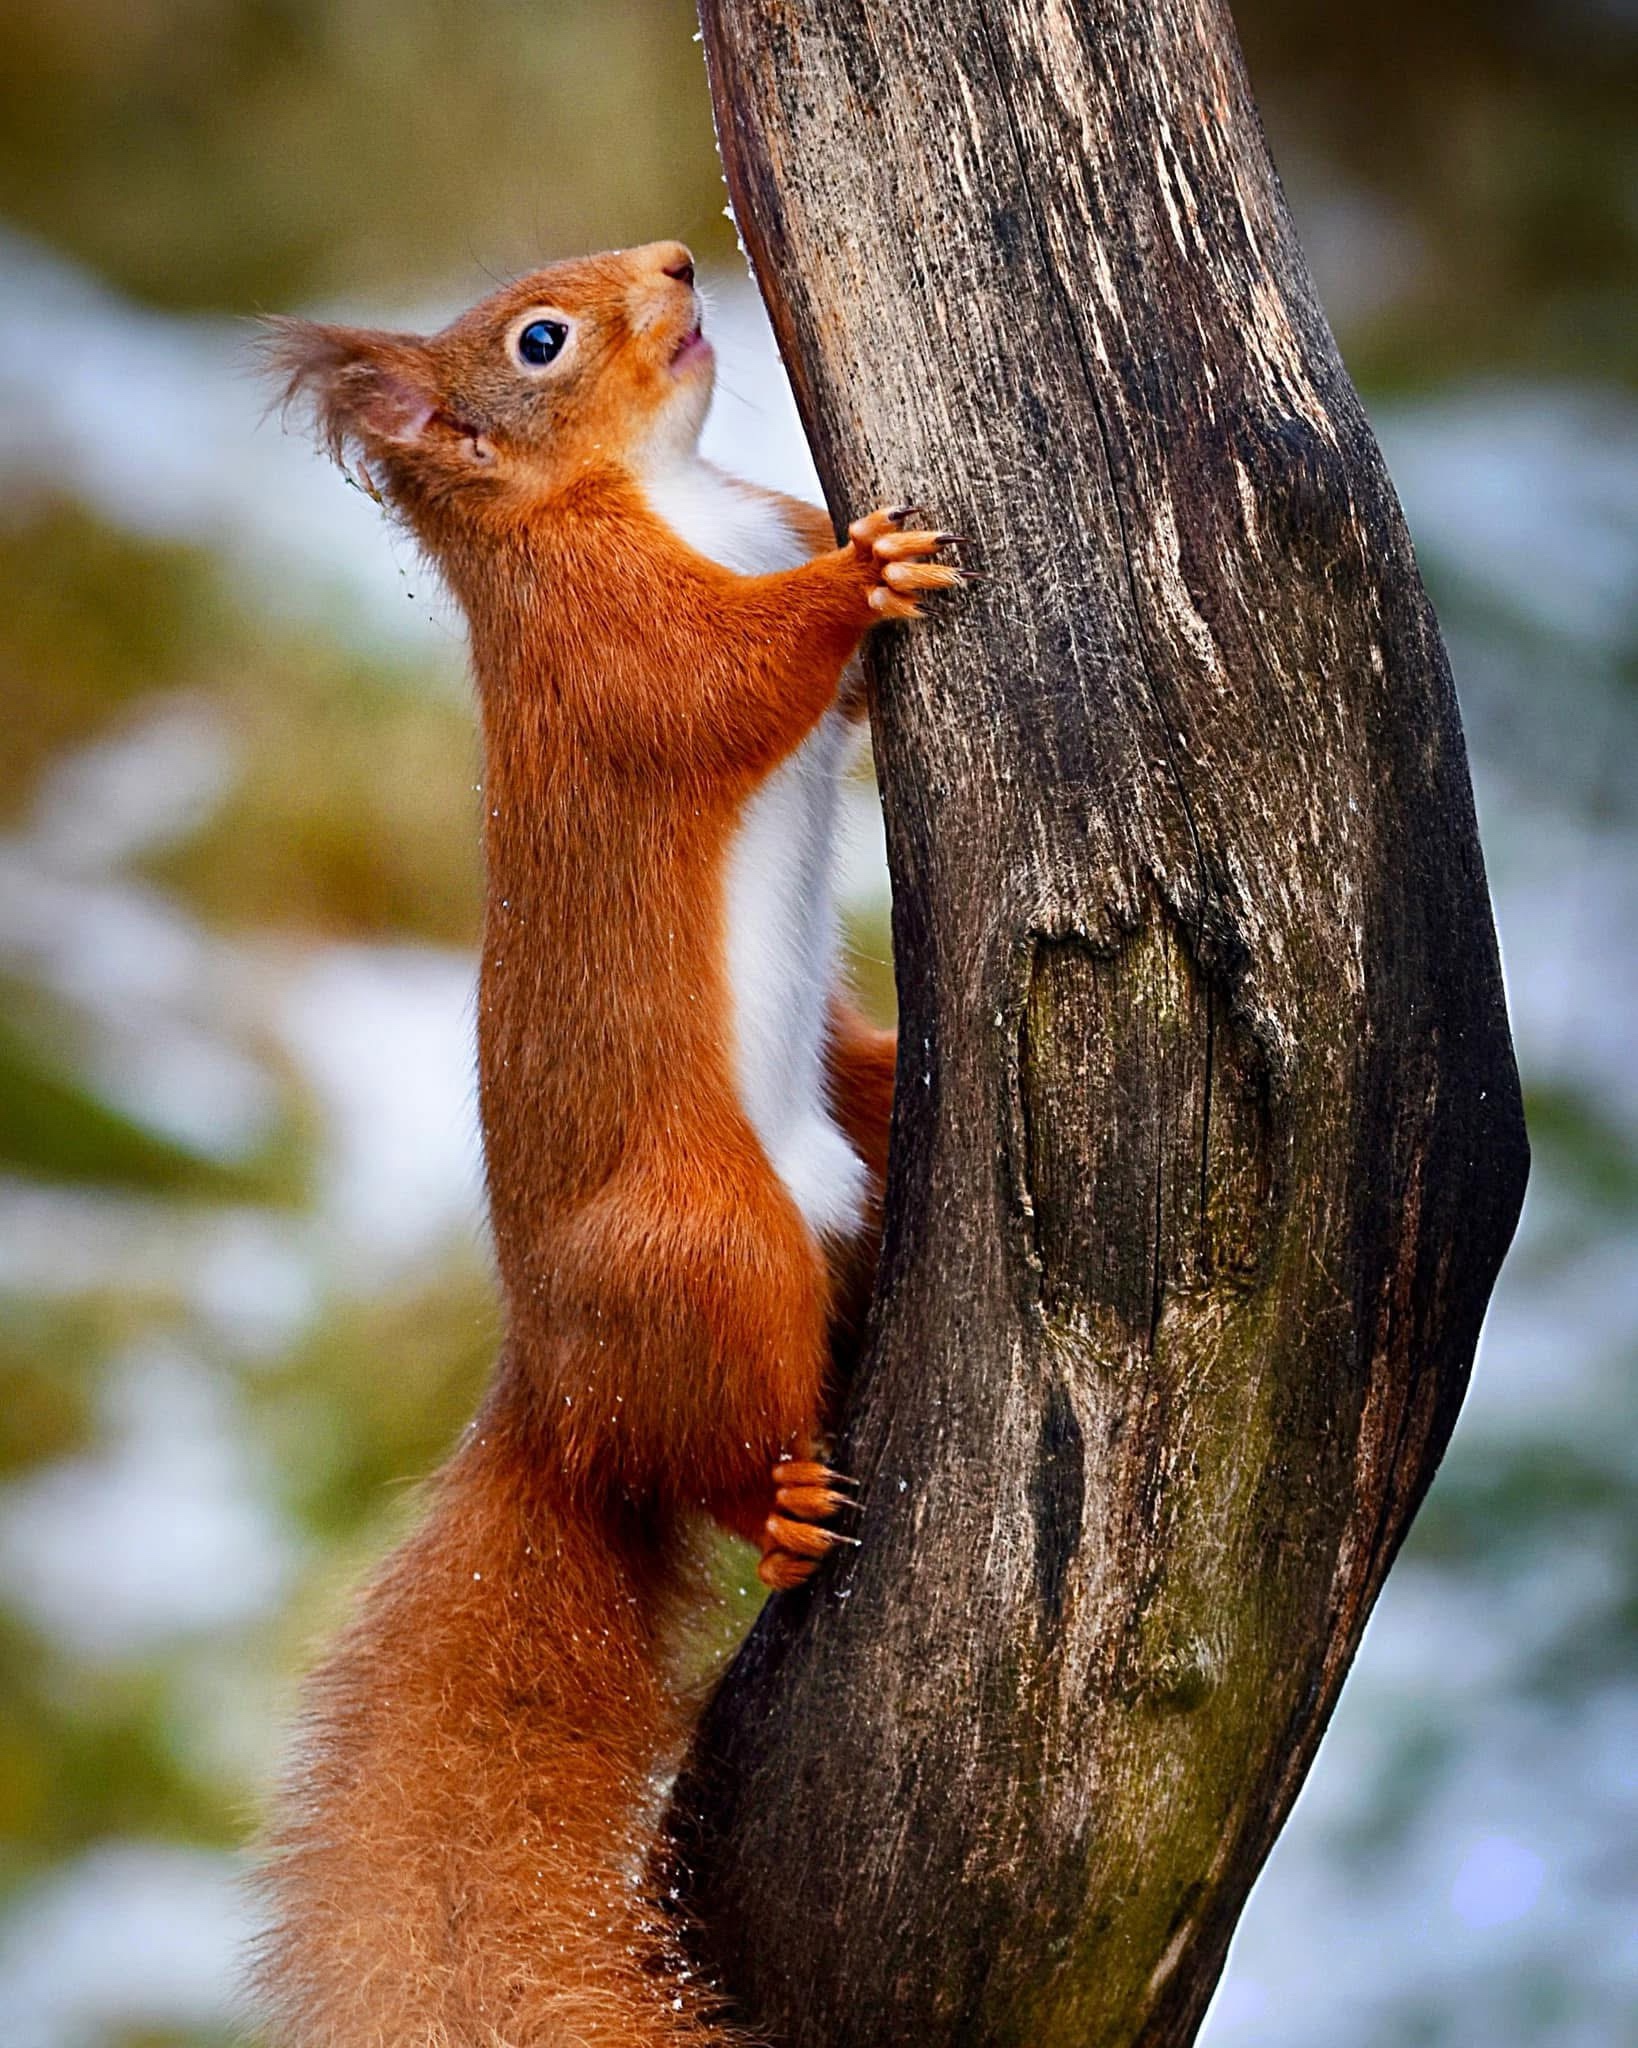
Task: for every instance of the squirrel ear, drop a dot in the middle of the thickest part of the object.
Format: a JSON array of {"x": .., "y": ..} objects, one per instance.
[{"x": 364, "y": 387}]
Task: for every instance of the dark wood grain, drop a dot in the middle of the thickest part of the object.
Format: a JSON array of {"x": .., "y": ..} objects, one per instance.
[{"x": 1208, "y": 1140}]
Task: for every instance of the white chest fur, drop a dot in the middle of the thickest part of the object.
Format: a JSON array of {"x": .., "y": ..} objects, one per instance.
[{"x": 781, "y": 905}]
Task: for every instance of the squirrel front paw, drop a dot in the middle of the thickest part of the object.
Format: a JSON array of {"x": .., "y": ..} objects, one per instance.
[{"x": 898, "y": 561}]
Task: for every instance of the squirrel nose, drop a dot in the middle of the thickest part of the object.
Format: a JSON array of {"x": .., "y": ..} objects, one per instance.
[{"x": 676, "y": 261}]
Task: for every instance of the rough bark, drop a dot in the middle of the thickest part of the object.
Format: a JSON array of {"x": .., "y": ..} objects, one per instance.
[{"x": 1208, "y": 1141}]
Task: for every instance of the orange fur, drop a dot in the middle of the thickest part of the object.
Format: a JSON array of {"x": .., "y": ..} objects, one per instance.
[{"x": 461, "y": 1853}]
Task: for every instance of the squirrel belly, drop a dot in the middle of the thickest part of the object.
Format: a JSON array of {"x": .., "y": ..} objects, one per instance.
[
  {"x": 782, "y": 931},
  {"x": 685, "y": 1136}
]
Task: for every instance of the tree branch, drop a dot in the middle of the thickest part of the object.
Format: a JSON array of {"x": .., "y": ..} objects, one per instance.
[{"x": 1207, "y": 1142}]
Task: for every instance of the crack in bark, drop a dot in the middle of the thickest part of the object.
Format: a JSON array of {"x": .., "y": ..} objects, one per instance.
[
  {"x": 1049, "y": 269},
  {"x": 1057, "y": 1498}
]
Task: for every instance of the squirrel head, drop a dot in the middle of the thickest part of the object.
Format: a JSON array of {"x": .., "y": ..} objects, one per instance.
[{"x": 588, "y": 365}]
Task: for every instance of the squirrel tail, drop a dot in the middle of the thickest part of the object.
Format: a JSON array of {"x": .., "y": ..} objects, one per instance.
[{"x": 462, "y": 1855}]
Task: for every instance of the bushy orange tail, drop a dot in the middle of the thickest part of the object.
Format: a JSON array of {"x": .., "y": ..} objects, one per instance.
[{"x": 461, "y": 1858}]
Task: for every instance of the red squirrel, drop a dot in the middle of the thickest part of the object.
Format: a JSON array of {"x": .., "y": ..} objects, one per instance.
[{"x": 685, "y": 1136}]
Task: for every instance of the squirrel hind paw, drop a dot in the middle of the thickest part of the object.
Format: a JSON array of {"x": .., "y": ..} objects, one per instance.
[
  {"x": 782, "y": 1573},
  {"x": 794, "y": 1537}
]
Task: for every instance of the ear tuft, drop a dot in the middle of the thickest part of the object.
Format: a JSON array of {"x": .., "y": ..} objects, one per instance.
[{"x": 360, "y": 387}]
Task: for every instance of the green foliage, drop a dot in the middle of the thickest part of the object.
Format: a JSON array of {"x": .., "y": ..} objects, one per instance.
[
  {"x": 57, "y": 1129},
  {"x": 1578, "y": 1143},
  {"x": 374, "y": 1396},
  {"x": 253, "y": 154},
  {"x": 50, "y": 1356},
  {"x": 352, "y": 811},
  {"x": 174, "y": 2037},
  {"x": 1481, "y": 159},
  {"x": 92, "y": 620},
  {"x": 85, "y": 1754}
]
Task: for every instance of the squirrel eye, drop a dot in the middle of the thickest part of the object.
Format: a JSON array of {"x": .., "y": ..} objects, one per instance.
[{"x": 541, "y": 342}]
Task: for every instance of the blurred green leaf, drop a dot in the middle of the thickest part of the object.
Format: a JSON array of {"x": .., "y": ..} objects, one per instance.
[
  {"x": 89, "y": 1753},
  {"x": 376, "y": 1393},
  {"x": 177, "y": 2037},
  {"x": 355, "y": 813},
  {"x": 93, "y": 619},
  {"x": 51, "y": 1353},
  {"x": 1575, "y": 1140},
  {"x": 52, "y": 1128}
]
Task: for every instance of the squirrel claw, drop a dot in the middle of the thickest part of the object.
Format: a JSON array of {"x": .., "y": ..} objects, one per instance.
[
  {"x": 806, "y": 1494},
  {"x": 808, "y": 1472},
  {"x": 897, "y": 560}
]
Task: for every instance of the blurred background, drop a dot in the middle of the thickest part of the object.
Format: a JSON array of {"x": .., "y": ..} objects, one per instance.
[{"x": 243, "y": 1295}]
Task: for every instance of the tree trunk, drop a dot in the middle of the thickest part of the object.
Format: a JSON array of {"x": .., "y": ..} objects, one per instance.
[{"x": 1208, "y": 1140}]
